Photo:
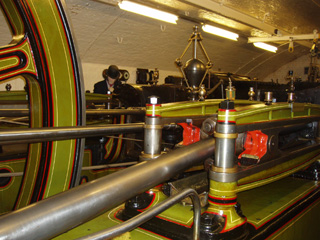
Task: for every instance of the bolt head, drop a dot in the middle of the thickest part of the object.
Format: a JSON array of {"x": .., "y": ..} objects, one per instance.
[{"x": 154, "y": 100}]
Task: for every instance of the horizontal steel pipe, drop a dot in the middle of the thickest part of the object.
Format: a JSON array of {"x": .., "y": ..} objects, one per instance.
[
  {"x": 14, "y": 102},
  {"x": 114, "y": 165},
  {"x": 95, "y": 167},
  {"x": 32, "y": 135},
  {"x": 14, "y": 112},
  {"x": 100, "y": 101},
  {"x": 20, "y": 102},
  {"x": 89, "y": 112},
  {"x": 57, "y": 214},
  {"x": 102, "y": 112}
]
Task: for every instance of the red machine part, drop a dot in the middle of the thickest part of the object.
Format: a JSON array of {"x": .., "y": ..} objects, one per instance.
[
  {"x": 255, "y": 144},
  {"x": 191, "y": 134}
]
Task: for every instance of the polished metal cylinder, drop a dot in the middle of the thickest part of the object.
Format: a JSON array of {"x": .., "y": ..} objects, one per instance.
[
  {"x": 225, "y": 145},
  {"x": 291, "y": 97},
  {"x": 225, "y": 153},
  {"x": 268, "y": 97},
  {"x": 251, "y": 93},
  {"x": 152, "y": 137},
  {"x": 57, "y": 214}
]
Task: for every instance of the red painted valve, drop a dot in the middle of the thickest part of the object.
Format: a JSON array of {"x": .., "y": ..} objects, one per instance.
[
  {"x": 255, "y": 144},
  {"x": 191, "y": 134}
]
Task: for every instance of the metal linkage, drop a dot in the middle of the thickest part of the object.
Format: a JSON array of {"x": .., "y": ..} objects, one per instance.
[
  {"x": 150, "y": 213},
  {"x": 57, "y": 214},
  {"x": 33, "y": 135},
  {"x": 215, "y": 87}
]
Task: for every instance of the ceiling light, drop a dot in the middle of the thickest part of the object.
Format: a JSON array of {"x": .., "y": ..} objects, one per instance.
[
  {"x": 265, "y": 46},
  {"x": 148, "y": 12},
  {"x": 220, "y": 32}
]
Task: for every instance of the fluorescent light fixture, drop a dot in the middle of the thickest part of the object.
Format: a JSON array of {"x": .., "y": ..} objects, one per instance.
[
  {"x": 265, "y": 46},
  {"x": 220, "y": 32},
  {"x": 148, "y": 12}
]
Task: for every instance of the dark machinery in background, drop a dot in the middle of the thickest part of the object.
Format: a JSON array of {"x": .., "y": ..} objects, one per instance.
[
  {"x": 199, "y": 83},
  {"x": 175, "y": 90}
]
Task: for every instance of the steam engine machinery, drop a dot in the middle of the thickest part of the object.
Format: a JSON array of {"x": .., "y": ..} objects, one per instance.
[{"x": 176, "y": 161}]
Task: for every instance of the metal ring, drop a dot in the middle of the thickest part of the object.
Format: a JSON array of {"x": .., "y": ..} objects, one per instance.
[{"x": 226, "y": 135}]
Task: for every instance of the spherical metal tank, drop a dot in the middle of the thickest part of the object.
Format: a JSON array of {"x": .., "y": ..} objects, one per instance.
[{"x": 194, "y": 70}]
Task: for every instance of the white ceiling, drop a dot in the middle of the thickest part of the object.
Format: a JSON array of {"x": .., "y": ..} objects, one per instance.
[{"x": 107, "y": 35}]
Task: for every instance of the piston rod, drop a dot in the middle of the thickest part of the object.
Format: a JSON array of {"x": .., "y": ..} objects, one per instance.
[
  {"x": 33, "y": 135},
  {"x": 59, "y": 213},
  {"x": 89, "y": 112}
]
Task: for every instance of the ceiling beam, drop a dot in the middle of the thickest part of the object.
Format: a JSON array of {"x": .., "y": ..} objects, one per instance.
[{"x": 232, "y": 14}]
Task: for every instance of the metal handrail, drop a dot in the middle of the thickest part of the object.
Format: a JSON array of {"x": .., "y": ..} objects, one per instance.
[{"x": 150, "y": 213}]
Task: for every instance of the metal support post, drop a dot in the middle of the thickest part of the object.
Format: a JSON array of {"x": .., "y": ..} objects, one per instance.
[
  {"x": 152, "y": 131},
  {"x": 223, "y": 216}
]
